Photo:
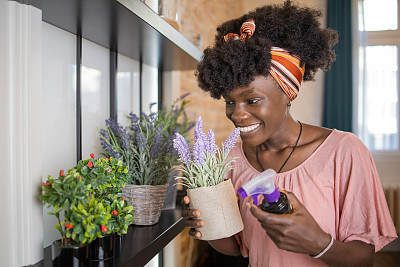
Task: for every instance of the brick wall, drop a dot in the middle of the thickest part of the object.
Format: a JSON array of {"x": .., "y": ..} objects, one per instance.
[{"x": 201, "y": 18}]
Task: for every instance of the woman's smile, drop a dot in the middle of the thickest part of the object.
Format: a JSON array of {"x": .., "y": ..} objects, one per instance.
[{"x": 249, "y": 129}]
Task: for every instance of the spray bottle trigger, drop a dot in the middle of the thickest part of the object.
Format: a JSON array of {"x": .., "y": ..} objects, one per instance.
[{"x": 255, "y": 198}]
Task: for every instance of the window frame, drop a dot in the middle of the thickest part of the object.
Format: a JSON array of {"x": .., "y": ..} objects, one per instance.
[{"x": 372, "y": 38}]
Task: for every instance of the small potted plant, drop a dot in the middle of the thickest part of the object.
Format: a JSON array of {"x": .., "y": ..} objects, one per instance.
[
  {"x": 104, "y": 178},
  {"x": 204, "y": 174},
  {"x": 82, "y": 201},
  {"x": 146, "y": 146},
  {"x": 81, "y": 217}
]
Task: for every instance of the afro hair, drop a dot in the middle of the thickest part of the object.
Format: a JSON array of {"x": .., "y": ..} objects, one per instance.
[{"x": 232, "y": 64}]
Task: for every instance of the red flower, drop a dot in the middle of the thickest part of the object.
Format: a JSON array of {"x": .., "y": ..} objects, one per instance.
[
  {"x": 110, "y": 170},
  {"x": 61, "y": 172},
  {"x": 92, "y": 156},
  {"x": 90, "y": 164},
  {"x": 103, "y": 228},
  {"x": 114, "y": 212},
  {"x": 80, "y": 178},
  {"x": 123, "y": 198},
  {"x": 69, "y": 226},
  {"x": 106, "y": 159},
  {"x": 46, "y": 184}
]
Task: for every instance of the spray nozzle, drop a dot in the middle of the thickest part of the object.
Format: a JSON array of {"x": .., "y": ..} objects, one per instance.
[{"x": 261, "y": 184}]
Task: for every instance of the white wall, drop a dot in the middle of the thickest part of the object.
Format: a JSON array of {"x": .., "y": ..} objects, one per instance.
[
  {"x": 58, "y": 110},
  {"x": 21, "y": 223}
]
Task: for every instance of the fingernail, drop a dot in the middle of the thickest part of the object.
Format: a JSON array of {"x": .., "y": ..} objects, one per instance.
[
  {"x": 199, "y": 224},
  {"x": 248, "y": 205}
]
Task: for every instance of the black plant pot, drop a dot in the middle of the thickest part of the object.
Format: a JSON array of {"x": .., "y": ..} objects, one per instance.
[
  {"x": 102, "y": 248},
  {"x": 69, "y": 256},
  {"x": 118, "y": 243}
]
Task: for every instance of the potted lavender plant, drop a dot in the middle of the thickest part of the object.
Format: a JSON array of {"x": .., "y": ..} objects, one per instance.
[
  {"x": 146, "y": 146},
  {"x": 204, "y": 174}
]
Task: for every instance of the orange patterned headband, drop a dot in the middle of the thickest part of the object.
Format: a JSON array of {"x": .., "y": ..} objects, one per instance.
[
  {"x": 246, "y": 31},
  {"x": 285, "y": 68}
]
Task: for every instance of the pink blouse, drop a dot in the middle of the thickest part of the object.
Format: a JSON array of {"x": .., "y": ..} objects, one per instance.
[{"x": 339, "y": 186}]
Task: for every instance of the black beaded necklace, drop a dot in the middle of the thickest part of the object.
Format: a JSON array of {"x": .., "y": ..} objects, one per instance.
[{"x": 298, "y": 138}]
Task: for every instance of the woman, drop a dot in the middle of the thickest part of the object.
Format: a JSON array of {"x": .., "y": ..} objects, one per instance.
[{"x": 340, "y": 216}]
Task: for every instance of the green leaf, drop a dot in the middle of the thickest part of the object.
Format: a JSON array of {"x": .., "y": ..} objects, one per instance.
[
  {"x": 77, "y": 229},
  {"x": 66, "y": 204}
]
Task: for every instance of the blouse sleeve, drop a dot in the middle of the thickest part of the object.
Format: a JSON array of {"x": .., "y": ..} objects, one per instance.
[{"x": 361, "y": 204}]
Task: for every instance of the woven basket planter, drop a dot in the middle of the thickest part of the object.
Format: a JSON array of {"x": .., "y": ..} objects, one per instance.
[{"x": 147, "y": 202}]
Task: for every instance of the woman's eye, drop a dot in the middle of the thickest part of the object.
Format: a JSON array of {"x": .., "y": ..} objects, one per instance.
[
  {"x": 228, "y": 102},
  {"x": 253, "y": 101}
]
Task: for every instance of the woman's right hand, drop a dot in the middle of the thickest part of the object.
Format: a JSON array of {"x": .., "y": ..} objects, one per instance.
[{"x": 191, "y": 218}]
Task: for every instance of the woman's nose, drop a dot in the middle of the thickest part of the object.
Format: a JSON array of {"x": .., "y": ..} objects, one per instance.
[{"x": 239, "y": 113}]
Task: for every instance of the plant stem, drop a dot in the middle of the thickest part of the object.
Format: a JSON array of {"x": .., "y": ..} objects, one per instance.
[{"x": 62, "y": 232}]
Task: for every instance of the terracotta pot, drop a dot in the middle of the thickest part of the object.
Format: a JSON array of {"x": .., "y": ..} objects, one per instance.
[{"x": 69, "y": 256}]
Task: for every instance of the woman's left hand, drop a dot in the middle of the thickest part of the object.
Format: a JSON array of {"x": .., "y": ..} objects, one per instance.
[{"x": 297, "y": 232}]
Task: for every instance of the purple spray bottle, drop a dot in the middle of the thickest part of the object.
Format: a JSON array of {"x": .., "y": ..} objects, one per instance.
[{"x": 274, "y": 201}]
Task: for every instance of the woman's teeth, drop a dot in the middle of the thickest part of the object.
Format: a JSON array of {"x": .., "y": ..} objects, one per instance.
[{"x": 248, "y": 128}]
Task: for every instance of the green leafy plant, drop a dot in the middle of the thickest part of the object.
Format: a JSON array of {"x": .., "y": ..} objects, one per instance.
[
  {"x": 146, "y": 145},
  {"x": 121, "y": 212},
  {"x": 86, "y": 221},
  {"x": 84, "y": 198},
  {"x": 64, "y": 195},
  {"x": 102, "y": 176}
]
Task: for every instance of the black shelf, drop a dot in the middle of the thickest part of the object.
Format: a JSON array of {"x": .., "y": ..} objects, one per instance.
[
  {"x": 127, "y": 26},
  {"x": 140, "y": 244}
]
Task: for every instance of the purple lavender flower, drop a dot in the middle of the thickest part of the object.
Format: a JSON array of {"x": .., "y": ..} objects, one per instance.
[
  {"x": 120, "y": 134},
  {"x": 144, "y": 115},
  {"x": 184, "y": 95},
  {"x": 124, "y": 134},
  {"x": 210, "y": 144},
  {"x": 113, "y": 125},
  {"x": 134, "y": 122},
  {"x": 231, "y": 140},
  {"x": 198, "y": 131},
  {"x": 141, "y": 140},
  {"x": 200, "y": 141},
  {"x": 107, "y": 146},
  {"x": 199, "y": 151},
  {"x": 157, "y": 143},
  {"x": 183, "y": 149},
  {"x": 152, "y": 117}
]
